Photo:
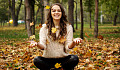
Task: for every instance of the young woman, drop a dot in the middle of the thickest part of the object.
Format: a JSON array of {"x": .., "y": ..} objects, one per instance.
[{"x": 56, "y": 39}]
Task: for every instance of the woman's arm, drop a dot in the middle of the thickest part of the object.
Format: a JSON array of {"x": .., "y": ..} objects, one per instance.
[
  {"x": 33, "y": 44},
  {"x": 40, "y": 46}
]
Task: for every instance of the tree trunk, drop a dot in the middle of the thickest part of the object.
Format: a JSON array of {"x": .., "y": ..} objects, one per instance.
[
  {"x": 90, "y": 20},
  {"x": 82, "y": 23},
  {"x": 70, "y": 13},
  {"x": 12, "y": 8},
  {"x": 13, "y": 13},
  {"x": 45, "y": 10},
  {"x": 33, "y": 20},
  {"x": 37, "y": 13},
  {"x": 42, "y": 12},
  {"x": 25, "y": 17},
  {"x": 28, "y": 17},
  {"x": 96, "y": 19},
  {"x": 116, "y": 15}
]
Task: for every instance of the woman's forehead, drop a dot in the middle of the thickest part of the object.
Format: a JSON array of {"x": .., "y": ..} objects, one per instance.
[{"x": 55, "y": 7}]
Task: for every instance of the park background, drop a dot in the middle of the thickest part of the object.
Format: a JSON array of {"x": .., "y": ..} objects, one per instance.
[{"x": 97, "y": 22}]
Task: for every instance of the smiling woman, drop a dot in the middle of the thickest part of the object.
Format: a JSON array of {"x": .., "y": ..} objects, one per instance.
[{"x": 56, "y": 39}]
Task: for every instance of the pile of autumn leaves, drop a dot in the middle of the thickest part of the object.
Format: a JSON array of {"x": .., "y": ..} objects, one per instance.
[{"x": 93, "y": 55}]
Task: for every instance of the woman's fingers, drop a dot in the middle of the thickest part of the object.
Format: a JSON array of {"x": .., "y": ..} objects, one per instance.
[
  {"x": 32, "y": 43},
  {"x": 77, "y": 40}
]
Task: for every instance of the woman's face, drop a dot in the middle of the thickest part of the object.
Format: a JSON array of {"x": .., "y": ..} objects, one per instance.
[{"x": 56, "y": 12}]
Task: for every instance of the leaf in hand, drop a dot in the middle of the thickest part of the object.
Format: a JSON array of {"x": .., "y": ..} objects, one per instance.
[{"x": 32, "y": 37}]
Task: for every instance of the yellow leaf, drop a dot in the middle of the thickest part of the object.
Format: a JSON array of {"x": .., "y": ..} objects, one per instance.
[
  {"x": 90, "y": 51},
  {"x": 47, "y": 7},
  {"x": 104, "y": 48},
  {"x": 16, "y": 60},
  {"x": 32, "y": 37},
  {"x": 58, "y": 65},
  {"x": 54, "y": 30},
  {"x": 11, "y": 21},
  {"x": 99, "y": 57},
  {"x": 75, "y": 49},
  {"x": 31, "y": 24}
]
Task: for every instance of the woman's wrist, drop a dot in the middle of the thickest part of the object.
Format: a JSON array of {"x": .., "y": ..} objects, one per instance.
[{"x": 71, "y": 45}]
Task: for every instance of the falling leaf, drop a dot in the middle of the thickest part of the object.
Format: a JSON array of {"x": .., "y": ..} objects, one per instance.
[
  {"x": 11, "y": 21},
  {"x": 53, "y": 30},
  {"x": 47, "y": 42},
  {"x": 38, "y": 27},
  {"x": 58, "y": 65},
  {"x": 47, "y": 7},
  {"x": 86, "y": 35},
  {"x": 31, "y": 24},
  {"x": 62, "y": 39}
]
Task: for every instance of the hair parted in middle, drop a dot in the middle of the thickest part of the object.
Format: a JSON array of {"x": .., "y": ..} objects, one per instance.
[{"x": 63, "y": 23}]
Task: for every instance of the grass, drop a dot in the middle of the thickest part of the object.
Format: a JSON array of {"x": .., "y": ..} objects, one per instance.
[
  {"x": 19, "y": 33},
  {"x": 106, "y": 30}
]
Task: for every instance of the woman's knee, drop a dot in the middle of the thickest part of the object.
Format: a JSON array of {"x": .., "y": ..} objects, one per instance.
[
  {"x": 36, "y": 59},
  {"x": 74, "y": 58}
]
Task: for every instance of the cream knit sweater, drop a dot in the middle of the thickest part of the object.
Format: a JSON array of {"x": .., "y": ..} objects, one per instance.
[{"x": 54, "y": 49}]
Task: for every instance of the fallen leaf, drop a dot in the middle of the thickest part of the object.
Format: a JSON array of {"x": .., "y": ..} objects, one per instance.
[{"x": 58, "y": 65}]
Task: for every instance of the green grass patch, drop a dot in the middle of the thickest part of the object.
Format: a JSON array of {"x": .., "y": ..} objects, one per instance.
[{"x": 20, "y": 33}]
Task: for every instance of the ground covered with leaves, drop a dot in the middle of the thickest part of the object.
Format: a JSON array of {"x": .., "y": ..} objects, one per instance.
[{"x": 94, "y": 54}]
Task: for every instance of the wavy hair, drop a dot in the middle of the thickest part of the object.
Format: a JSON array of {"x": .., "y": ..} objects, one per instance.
[{"x": 63, "y": 22}]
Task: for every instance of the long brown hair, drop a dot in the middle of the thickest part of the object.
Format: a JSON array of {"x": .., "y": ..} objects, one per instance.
[{"x": 63, "y": 22}]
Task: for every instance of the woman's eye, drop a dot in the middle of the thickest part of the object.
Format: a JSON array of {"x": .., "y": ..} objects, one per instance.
[{"x": 59, "y": 10}]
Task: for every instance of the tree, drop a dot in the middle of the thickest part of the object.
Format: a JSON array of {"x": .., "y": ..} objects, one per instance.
[
  {"x": 40, "y": 5},
  {"x": 70, "y": 12},
  {"x": 28, "y": 17},
  {"x": 15, "y": 12},
  {"x": 81, "y": 35},
  {"x": 111, "y": 9},
  {"x": 89, "y": 4},
  {"x": 46, "y": 2},
  {"x": 3, "y": 11},
  {"x": 96, "y": 19}
]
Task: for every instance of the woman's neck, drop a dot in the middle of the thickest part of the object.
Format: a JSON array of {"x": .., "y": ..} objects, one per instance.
[{"x": 56, "y": 22}]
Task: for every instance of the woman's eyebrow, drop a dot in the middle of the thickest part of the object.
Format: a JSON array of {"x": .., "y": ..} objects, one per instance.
[{"x": 52, "y": 9}]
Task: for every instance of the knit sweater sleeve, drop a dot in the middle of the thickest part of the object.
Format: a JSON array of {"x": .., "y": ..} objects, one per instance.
[
  {"x": 43, "y": 35},
  {"x": 69, "y": 37}
]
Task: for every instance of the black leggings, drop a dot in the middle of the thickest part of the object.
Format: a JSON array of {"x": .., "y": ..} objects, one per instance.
[{"x": 67, "y": 63}]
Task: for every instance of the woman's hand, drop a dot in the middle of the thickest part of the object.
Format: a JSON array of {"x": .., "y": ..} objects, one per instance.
[
  {"x": 32, "y": 43},
  {"x": 77, "y": 41}
]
